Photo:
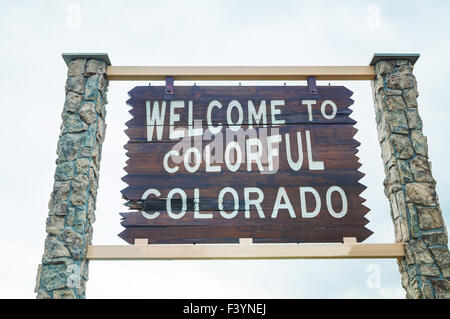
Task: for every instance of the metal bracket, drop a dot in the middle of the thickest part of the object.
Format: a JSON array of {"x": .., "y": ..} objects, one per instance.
[
  {"x": 312, "y": 84},
  {"x": 169, "y": 86}
]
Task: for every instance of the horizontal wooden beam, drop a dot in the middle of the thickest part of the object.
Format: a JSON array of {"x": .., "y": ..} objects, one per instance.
[
  {"x": 244, "y": 250},
  {"x": 239, "y": 73}
]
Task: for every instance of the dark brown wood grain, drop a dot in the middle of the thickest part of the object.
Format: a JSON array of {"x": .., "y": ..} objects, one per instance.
[
  {"x": 293, "y": 233},
  {"x": 332, "y": 142}
]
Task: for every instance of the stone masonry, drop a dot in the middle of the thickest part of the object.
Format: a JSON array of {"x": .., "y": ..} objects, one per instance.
[
  {"x": 409, "y": 185},
  {"x": 64, "y": 269}
]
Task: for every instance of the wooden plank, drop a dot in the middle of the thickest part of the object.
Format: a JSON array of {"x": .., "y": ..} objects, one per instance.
[
  {"x": 288, "y": 233},
  {"x": 239, "y": 73},
  {"x": 210, "y": 185},
  {"x": 208, "y": 199},
  {"x": 246, "y": 251},
  {"x": 337, "y": 134},
  {"x": 212, "y": 215},
  {"x": 294, "y": 111}
]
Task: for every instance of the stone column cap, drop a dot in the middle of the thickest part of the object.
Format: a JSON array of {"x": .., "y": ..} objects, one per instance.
[
  {"x": 100, "y": 56},
  {"x": 413, "y": 57}
]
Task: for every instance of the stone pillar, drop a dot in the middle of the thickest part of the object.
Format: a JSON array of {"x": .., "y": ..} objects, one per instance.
[
  {"x": 64, "y": 269},
  {"x": 409, "y": 185}
]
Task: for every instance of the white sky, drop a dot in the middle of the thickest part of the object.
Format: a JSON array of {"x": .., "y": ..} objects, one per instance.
[{"x": 33, "y": 34}]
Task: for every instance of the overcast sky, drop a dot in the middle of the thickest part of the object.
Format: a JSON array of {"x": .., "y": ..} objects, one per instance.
[{"x": 33, "y": 34}]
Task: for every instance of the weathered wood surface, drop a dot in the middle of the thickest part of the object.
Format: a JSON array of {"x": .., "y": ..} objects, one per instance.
[
  {"x": 332, "y": 143},
  {"x": 293, "y": 112},
  {"x": 293, "y": 233}
]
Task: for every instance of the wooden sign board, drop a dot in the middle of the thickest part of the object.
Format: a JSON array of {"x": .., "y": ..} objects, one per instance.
[{"x": 214, "y": 164}]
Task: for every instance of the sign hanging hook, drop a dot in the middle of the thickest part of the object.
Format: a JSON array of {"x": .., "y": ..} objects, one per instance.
[
  {"x": 169, "y": 87},
  {"x": 312, "y": 84}
]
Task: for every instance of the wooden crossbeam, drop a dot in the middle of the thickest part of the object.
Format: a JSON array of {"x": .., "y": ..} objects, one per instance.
[
  {"x": 239, "y": 73},
  {"x": 244, "y": 250}
]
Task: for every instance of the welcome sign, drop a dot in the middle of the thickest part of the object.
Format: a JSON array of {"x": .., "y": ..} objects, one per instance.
[{"x": 214, "y": 164}]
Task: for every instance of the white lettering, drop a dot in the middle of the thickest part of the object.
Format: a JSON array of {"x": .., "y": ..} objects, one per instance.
[
  {"x": 330, "y": 204},
  {"x": 235, "y": 195},
  {"x": 255, "y": 202},
  {"x": 282, "y": 195},
  {"x": 213, "y": 129},
  {"x": 183, "y": 202},
  {"x": 309, "y": 104},
  {"x": 155, "y": 118},
  {"x": 323, "y": 109},
  {"x": 305, "y": 213},
  {"x": 274, "y": 111},
  {"x": 258, "y": 116},
  {"x": 173, "y": 133},
  {"x": 313, "y": 165}
]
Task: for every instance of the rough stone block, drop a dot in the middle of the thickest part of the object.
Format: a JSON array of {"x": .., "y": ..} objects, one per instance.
[
  {"x": 394, "y": 102},
  {"x": 54, "y": 225},
  {"x": 91, "y": 210},
  {"x": 101, "y": 128},
  {"x": 413, "y": 222},
  {"x": 384, "y": 67},
  {"x": 64, "y": 294},
  {"x": 405, "y": 69},
  {"x": 404, "y": 172},
  {"x": 60, "y": 192},
  {"x": 386, "y": 152},
  {"x": 69, "y": 145},
  {"x": 420, "y": 169},
  {"x": 441, "y": 288},
  {"x": 54, "y": 248},
  {"x": 79, "y": 190},
  {"x": 419, "y": 142},
  {"x": 92, "y": 84},
  {"x": 72, "y": 124},
  {"x": 76, "y": 67},
  {"x": 427, "y": 291},
  {"x": 82, "y": 165},
  {"x": 429, "y": 270},
  {"x": 378, "y": 83},
  {"x": 420, "y": 252},
  {"x": 397, "y": 121},
  {"x": 87, "y": 112},
  {"x": 42, "y": 294},
  {"x": 53, "y": 277},
  {"x": 410, "y": 97},
  {"x": 94, "y": 66},
  {"x": 429, "y": 218},
  {"x": 74, "y": 242},
  {"x": 72, "y": 102},
  {"x": 401, "y": 146},
  {"x": 383, "y": 129},
  {"x": 75, "y": 84},
  {"x": 394, "y": 208},
  {"x": 64, "y": 171},
  {"x": 413, "y": 289},
  {"x": 421, "y": 193},
  {"x": 392, "y": 178},
  {"x": 442, "y": 257},
  {"x": 414, "y": 120},
  {"x": 71, "y": 216},
  {"x": 393, "y": 92},
  {"x": 437, "y": 237},
  {"x": 399, "y": 80}
]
